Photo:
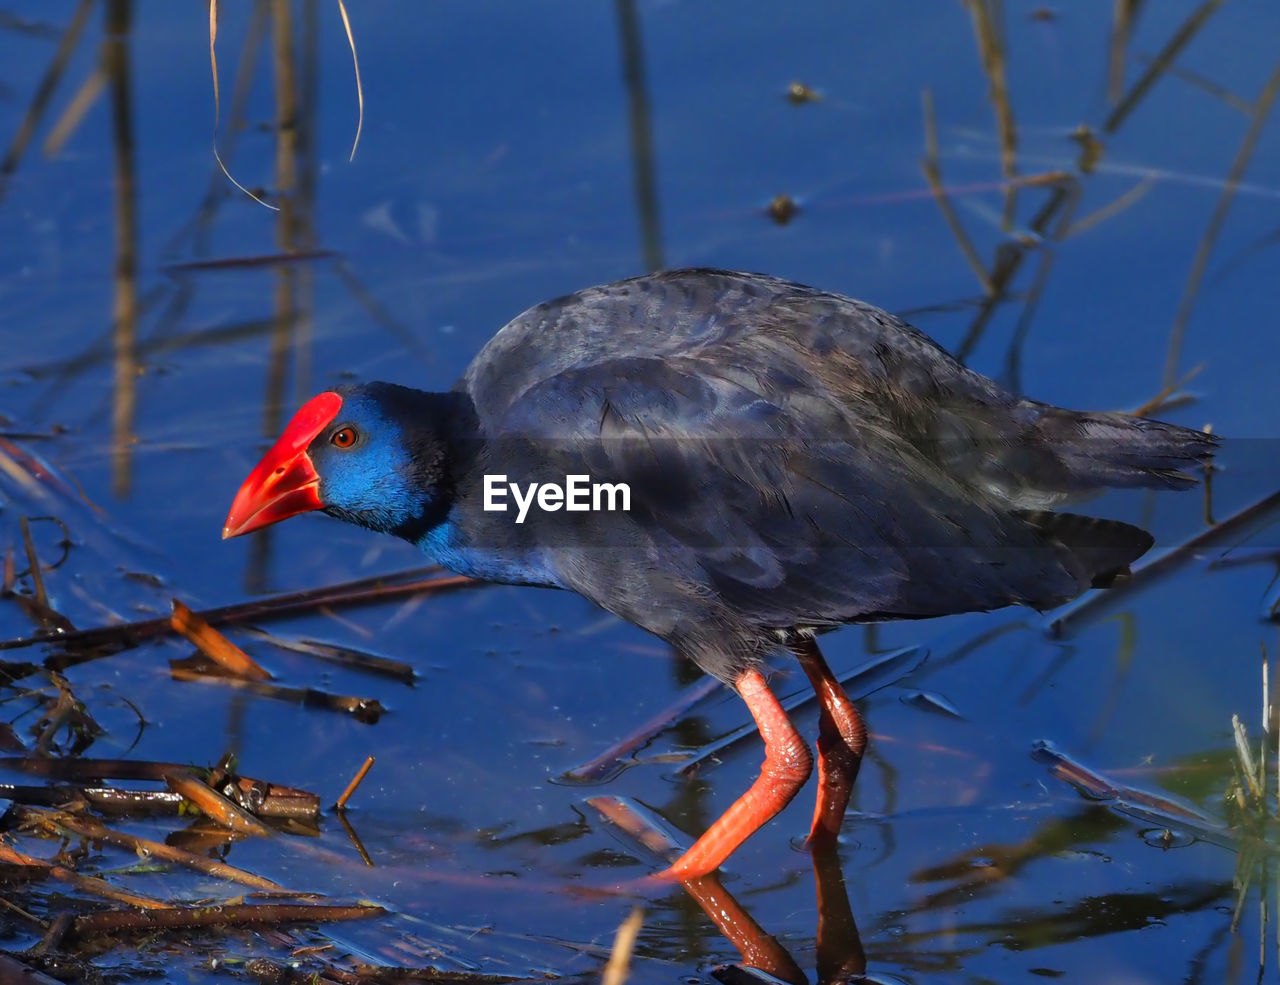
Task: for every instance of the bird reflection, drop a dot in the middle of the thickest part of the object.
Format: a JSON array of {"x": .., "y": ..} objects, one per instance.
[{"x": 840, "y": 955}]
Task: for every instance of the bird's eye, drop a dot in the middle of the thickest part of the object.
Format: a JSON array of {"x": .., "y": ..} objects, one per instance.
[{"x": 344, "y": 437}]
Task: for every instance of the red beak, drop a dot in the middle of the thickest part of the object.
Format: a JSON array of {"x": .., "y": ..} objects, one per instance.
[{"x": 285, "y": 482}]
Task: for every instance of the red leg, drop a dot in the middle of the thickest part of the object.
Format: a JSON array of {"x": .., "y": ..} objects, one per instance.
[
  {"x": 842, "y": 738},
  {"x": 787, "y": 764}
]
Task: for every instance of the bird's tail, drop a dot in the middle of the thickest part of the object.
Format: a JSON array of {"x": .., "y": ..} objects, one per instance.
[{"x": 1101, "y": 450}]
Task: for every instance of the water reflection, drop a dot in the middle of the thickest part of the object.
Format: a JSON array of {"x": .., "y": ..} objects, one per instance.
[{"x": 839, "y": 952}]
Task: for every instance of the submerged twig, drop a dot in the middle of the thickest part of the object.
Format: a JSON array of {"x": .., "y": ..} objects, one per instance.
[
  {"x": 1130, "y": 800},
  {"x": 61, "y": 821},
  {"x": 1234, "y": 527},
  {"x": 991, "y": 50},
  {"x": 344, "y": 656},
  {"x": 638, "y": 823},
  {"x": 611, "y": 760},
  {"x": 364, "y": 710},
  {"x": 1126, "y": 11}
]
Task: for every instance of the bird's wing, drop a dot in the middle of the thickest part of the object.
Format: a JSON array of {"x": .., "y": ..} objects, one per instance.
[
  {"x": 1020, "y": 452},
  {"x": 765, "y": 492}
]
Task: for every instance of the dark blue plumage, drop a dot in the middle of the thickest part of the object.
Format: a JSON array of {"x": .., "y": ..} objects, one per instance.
[{"x": 796, "y": 460}]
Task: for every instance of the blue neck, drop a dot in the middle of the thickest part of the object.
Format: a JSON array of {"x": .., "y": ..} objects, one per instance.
[{"x": 448, "y": 546}]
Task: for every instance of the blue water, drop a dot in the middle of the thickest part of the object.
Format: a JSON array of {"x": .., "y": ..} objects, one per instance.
[{"x": 495, "y": 170}]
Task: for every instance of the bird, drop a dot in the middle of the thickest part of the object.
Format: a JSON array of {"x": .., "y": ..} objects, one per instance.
[{"x": 795, "y": 461}]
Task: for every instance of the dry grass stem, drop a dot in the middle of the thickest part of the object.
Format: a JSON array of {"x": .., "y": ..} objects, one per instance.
[{"x": 355, "y": 63}]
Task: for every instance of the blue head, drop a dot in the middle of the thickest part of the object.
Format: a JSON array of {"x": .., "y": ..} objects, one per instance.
[{"x": 373, "y": 454}]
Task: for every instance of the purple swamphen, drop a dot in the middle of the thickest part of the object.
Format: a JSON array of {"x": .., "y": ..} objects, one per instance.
[{"x": 796, "y": 460}]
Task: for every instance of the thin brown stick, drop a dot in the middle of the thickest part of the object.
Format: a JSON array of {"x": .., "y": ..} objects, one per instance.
[
  {"x": 125, "y": 308},
  {"x": 1212, "y": 88},
  {"x": 648, "y": 213},
  {"x": 345, "y": 656},
  {"x": 355, "y": 839},
  {"x": 356, "y": 780},
  {"x": 1009, "y": 259},
  {"x": 30, "y": 917},
  {"x": 85, "y": 769},
  {"x": 251, "y": 262},
  {"x": 214, "y": 645},
  {"x": 230, "y": 915},
  {"x": 1097, "y": 787}
]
